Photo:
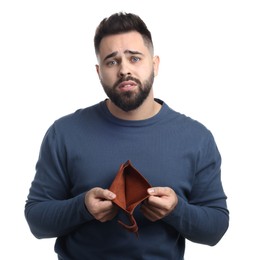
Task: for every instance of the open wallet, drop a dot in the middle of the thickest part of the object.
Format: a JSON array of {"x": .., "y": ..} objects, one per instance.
[{"x": 130, "y": 188}]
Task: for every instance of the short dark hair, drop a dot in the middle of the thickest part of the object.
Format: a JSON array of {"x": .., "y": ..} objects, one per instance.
[{"x": 120, "y": 23}]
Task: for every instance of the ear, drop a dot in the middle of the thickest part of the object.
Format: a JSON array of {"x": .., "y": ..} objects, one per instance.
[
  {"x": 97, "y": 70},
  {"x": 156, "y": 62}
]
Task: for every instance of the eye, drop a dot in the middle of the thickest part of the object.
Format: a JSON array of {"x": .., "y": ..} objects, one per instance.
[
  {"x": 135, "y": 59},
  {"x": 111, "y": 63}
]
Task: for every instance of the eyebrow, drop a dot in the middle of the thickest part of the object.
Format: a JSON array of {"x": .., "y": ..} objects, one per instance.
[{"x": 115, "y": 53}]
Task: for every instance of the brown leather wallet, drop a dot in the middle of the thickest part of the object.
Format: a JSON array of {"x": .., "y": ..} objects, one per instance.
[{"x": 130, "y": 188}]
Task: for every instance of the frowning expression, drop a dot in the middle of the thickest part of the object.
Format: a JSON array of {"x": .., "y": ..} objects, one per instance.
[{"x": 126, "y": 69}]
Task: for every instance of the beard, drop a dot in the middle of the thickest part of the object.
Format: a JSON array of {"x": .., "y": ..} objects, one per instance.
[{"x": 129, "y": 100}]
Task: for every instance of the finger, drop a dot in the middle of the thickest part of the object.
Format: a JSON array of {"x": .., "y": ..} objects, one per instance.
[
  {"x": 104, "y": 194},
  {"x": 165, "y": 203},
  {"x": 157, "y": 202},
  {"x": 109, "y": 195},
  {"x": 159, "y": 191},
  {"x": 150, "y": 214},
  {"x": 107, "y": 214},
  {"x": 156, "y": 210},
  {"x": 106, "y": 211}
]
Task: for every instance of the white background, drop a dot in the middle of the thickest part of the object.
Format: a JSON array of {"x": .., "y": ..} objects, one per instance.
[{"x": 208, "y": 70}]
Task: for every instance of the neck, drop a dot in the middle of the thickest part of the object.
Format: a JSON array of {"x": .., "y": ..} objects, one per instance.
[{"x": 148, "y": 109}]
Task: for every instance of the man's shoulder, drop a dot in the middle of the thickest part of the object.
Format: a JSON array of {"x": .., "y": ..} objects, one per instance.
[
  {"x": 78, "y": 119},
  {"x": 185, "y": 124},
  {"x": 78, "y": 114}
]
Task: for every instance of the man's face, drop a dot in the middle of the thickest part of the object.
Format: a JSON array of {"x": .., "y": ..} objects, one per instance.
[{"x": 126, "y": 69}]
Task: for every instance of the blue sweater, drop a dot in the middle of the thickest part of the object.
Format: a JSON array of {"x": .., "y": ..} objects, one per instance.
[{"x": 85, "y": 149}]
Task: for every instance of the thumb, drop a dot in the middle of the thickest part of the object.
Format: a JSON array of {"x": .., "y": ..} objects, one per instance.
[{"x": 109, "y": 195}]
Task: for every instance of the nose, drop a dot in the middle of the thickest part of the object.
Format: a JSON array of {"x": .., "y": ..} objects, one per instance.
[{"x": 124, "y": 69}]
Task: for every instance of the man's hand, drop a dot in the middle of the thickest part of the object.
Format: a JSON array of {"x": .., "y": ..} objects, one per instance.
[
  {"x": 161, "y": 202},
  {"x": 98, "y": 202}
]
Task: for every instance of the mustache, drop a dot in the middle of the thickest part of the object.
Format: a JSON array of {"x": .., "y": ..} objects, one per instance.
[{"x": 117, "y": 83}]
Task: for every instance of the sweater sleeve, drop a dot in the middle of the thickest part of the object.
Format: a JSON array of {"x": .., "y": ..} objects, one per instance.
[
  {"x": 50, "y": 209},
  {"x": 202, "y": 215}
]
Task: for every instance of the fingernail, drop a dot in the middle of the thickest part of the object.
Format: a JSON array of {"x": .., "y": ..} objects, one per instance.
[
  {"x": 151, "y": 190},
  {"x": 112, "y": 195}
]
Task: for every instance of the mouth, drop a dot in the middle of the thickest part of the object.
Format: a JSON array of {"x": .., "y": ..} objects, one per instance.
[{"x": 127, "y": 85}]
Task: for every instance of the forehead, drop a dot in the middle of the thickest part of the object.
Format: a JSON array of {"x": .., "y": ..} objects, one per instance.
[{"x": 122, "y": 42}]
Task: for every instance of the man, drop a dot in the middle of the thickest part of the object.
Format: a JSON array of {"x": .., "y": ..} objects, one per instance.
[{"x": 71, "y": 196}]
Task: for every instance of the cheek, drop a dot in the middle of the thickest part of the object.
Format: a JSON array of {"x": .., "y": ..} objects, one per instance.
[
  {"x": 145, "y": 71},
  {"x": 107, "y": 76}
]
